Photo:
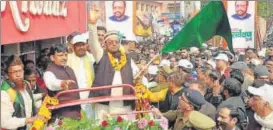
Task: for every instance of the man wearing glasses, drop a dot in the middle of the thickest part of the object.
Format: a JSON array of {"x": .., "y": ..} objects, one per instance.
[
  {"x": 17, "y": 104},
  {"x": 112, "y": 67},
  {"x": 261, "y": 102}
]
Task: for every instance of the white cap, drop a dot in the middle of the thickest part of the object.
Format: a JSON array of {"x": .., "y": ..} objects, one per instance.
[
  {"x": 153, "y": 69},
  {"x": 222, "y": 56},
  {"x": 204, "y": 45},
  {"x": 262, "y": 53},
  {"x": 256, "y": 62},
  {"x": 193, "y": 49},
  {"x": 131, "y": 38},
  {"x": 165, "y": 63},
  {"x": 265, "y": 92},
  {"x": 211, "y": 63},
  {"x": 185, "y": 63},
  {"x": 86, "y": 35},
  {"x": 79, "y": 38}
]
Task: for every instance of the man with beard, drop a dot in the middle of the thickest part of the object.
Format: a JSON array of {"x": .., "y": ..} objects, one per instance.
[
  {"x": 59, "y": 77},
  {"x": 241, "y": 10},
  {"x": 228, "y": 118},
  {"x": 17, "y": 103},
  {"x": 231, "y": 94},
  {"x": 82, "y": 65},
  {"x": 119, "y": 8}
]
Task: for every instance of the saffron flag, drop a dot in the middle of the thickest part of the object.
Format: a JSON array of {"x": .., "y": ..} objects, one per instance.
[{"x": 211, "y": 20}]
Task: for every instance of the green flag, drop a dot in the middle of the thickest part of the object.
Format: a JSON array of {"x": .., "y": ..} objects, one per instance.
[{"x": 211, "y": 20}]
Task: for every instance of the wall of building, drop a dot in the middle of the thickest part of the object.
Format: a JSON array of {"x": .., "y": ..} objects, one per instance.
[
  {"x": 170, "y": 6},
  {"x": 148, "y": 6}
]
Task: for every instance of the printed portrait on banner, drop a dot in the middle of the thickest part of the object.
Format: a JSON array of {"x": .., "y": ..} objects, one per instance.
[
  {"x": 119, "y": 16},
  {"x": 242, "y": 22}
]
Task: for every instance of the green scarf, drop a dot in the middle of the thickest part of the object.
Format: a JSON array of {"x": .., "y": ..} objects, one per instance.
[{"x": 17, "y": 99}]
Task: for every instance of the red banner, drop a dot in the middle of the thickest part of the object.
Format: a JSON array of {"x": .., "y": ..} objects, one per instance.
[{"x": 35, "y": 20}]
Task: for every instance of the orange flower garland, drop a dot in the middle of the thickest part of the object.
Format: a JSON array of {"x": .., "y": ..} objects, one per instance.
[{"x": 118, "y": 65}]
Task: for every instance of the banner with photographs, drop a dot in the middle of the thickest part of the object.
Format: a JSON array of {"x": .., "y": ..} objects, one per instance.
[
  {"x": 119, "y": 16},
  {"x": 241, "y": 16}
]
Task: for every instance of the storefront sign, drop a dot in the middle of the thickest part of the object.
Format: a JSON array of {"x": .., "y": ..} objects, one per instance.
[{"x": 32, "y": 20}]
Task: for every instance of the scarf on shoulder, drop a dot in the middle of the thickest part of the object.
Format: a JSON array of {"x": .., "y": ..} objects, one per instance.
[
  {"x": 74, "y": 62},
  {"x": 266, "y": 122}
]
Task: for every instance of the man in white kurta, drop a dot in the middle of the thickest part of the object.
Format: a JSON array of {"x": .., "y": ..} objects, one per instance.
[
  {"x": 17, "y": 103},
  {"x": 114, "y": 106},
  {"x": 82, "y": 65}
]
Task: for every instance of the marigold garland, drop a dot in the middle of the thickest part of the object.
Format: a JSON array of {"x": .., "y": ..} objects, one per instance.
[
  {"x": 118, "y": 65},
  {"x": 142, "y": 102}
]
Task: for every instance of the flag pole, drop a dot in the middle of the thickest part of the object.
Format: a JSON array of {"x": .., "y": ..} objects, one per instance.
[{"x": 146, "y": 66}]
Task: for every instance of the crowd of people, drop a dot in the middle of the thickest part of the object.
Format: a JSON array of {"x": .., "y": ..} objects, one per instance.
[{"x": 194, "y": 88}]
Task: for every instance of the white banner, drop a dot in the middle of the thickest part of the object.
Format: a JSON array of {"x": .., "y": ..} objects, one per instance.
[
  {"x": 241, "y": 16},
  {"x": 119, "y": 16}
]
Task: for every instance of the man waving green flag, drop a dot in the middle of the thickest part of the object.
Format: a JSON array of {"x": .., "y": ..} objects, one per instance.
[{"x": 210, "y": 21}]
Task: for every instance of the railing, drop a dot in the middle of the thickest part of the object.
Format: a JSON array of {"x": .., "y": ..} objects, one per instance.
[{"x": 93, "y": 99}]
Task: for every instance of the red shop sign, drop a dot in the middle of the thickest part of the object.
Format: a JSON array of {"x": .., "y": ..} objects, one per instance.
[{"x": 33, "y": 20}]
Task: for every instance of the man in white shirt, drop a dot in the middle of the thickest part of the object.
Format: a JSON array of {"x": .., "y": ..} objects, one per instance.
[
  {"x": 262, "y": 103},
  {"x": 82, "y": 65},
  {"x": 17, "y": 103},
  {"x": 59, "y": 77},
  {"x": 112, "y": 67}
]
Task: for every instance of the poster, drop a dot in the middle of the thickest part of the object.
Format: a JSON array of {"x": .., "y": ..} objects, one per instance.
[
  {"x": 98, "y": 6},
  {"x": 241, "y": 16},
  {"x": 119, "y": 17}
]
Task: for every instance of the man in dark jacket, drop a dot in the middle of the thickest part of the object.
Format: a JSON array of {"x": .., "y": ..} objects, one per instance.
[
  {"x": 112, "y": 67},
  {"x": 232, "y": 96},
  {"x": 60, "y": 77},
  {"x": 175, "y": 81}
]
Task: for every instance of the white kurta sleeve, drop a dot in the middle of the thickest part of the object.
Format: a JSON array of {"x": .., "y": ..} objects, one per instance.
[
  {"x": 93, "y": 41},
  {"x": 135, "y": 69},
  {"x": 52, "y": 83},
  {"x": 7, "y": 121}
]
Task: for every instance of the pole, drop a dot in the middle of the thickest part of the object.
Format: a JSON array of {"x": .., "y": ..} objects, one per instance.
[{"x": 146, "y": 66}]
